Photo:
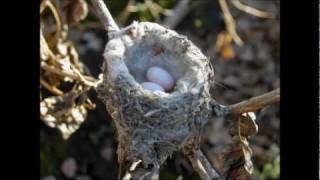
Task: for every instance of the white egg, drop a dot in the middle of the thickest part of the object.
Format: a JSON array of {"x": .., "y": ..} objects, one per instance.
[
  {"x": 160, "y": 76},
  {"x": 152, "y": 86}
]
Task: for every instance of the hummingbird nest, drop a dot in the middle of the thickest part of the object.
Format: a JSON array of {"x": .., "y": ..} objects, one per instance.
[{"x": 152, "y": 125}]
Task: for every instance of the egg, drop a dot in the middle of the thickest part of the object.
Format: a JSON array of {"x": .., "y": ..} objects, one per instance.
[
  {"x": 160, "y": 76},
  {"x": 152, "y": 86}
]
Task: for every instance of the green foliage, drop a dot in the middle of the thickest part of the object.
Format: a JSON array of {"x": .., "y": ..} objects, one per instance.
[
  {"x": 270, "y": 170},
  {"x": 167, "y": 3},
  {"x": 143, "y": 13}
]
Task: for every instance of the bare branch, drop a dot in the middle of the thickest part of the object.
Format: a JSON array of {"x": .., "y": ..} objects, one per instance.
[
  {"x": 179, "y": 11},
  {"x": 256, "y": 103},
  {"x": 249, "y": 105},
  {"x": 105, "y": 16},
  {"x": 230, "y": 23},
  {"x": 250, "y": 10},
  {"x": 200, "y": 164}
]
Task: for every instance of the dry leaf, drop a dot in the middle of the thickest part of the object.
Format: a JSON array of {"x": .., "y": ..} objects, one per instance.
[
  {"x": 238, "y": 164},
  {"x": 227, "y": 52},
  {"x": 63, "y": 113},
  {"x": 224, "y": 46}
]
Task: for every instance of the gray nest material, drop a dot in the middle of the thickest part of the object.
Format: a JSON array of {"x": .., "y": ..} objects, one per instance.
[{"x": 152, "y": 125}]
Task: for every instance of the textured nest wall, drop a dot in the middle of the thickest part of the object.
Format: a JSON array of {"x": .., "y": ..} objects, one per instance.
[{"x": 152, "y": 125}]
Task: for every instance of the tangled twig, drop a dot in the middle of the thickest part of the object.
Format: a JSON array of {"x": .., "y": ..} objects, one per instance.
[
  {"x": 230, "y": 22},
  {"x": 87, "y": 80},
  {"x": 63, "y": 108}
]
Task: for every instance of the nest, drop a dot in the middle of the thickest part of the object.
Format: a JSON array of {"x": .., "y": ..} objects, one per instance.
[{"x": 152, "y": 125}]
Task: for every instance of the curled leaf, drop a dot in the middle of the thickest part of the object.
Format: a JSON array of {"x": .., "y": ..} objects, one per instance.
[{"x": 237, "y": 155}]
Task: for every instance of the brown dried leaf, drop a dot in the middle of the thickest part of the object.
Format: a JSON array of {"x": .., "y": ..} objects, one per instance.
[
  {"x": 63, "y": 113},
  {"x": 67, "y": 111},
  {"x": 224, "y": 46},
  {"x": 238, "y": 164},
  {"x": 244, "y": 126},
  {"x": 227, "y": 52}
]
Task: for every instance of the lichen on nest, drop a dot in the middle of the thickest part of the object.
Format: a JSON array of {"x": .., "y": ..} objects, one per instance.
[{"x": 152, "y": 125}]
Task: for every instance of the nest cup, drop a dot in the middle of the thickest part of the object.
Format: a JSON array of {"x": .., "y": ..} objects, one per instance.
[{"x": 152, "y": 125}]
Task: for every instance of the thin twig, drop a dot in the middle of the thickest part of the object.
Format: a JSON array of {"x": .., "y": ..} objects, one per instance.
[
  {"x": 108, "y": 22},
  {"x": 50, "y": 88},
  {"x": 179, "y": 12},
  {"x": 85, "y": 79},
  {"x": 230, "y": 23},
  {"x": 43, "y": 5},
  {"x": 201, "y": 164},
  {"x": 105, "y": 16},
  {"x": 57, "y": 18},
  {"x": 250, "y": 10},
  {"x": 255, "y": 103},
  {"x": 44, "y": 47}
]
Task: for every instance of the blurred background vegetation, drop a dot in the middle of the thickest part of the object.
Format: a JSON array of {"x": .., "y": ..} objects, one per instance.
[{"x": 87, "y": 149}]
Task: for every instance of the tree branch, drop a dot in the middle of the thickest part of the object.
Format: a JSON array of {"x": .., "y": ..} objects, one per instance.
[
  {"x": 105, "y": 16},
  {"x": 251, "y": 10},
  {"x": 255, "y": 103},
  {"x": 230, "y": 23},
  {"x": 250, "y": 105}
]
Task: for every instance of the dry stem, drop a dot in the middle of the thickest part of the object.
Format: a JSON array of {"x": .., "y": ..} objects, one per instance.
[
  {"x": 255, "y": 103},
  {"x": 250, "y": 10},
  {"x": 200, "y": 164},
  {"x": 85, "y": 79},
  {"x": 50, "y": 88},
  {"x": 230, "y": 23},
  {"x": 105, "y": 16}
]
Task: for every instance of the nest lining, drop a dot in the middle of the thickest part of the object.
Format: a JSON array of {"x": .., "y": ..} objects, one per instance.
[{"x": 152, "y": 125}]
